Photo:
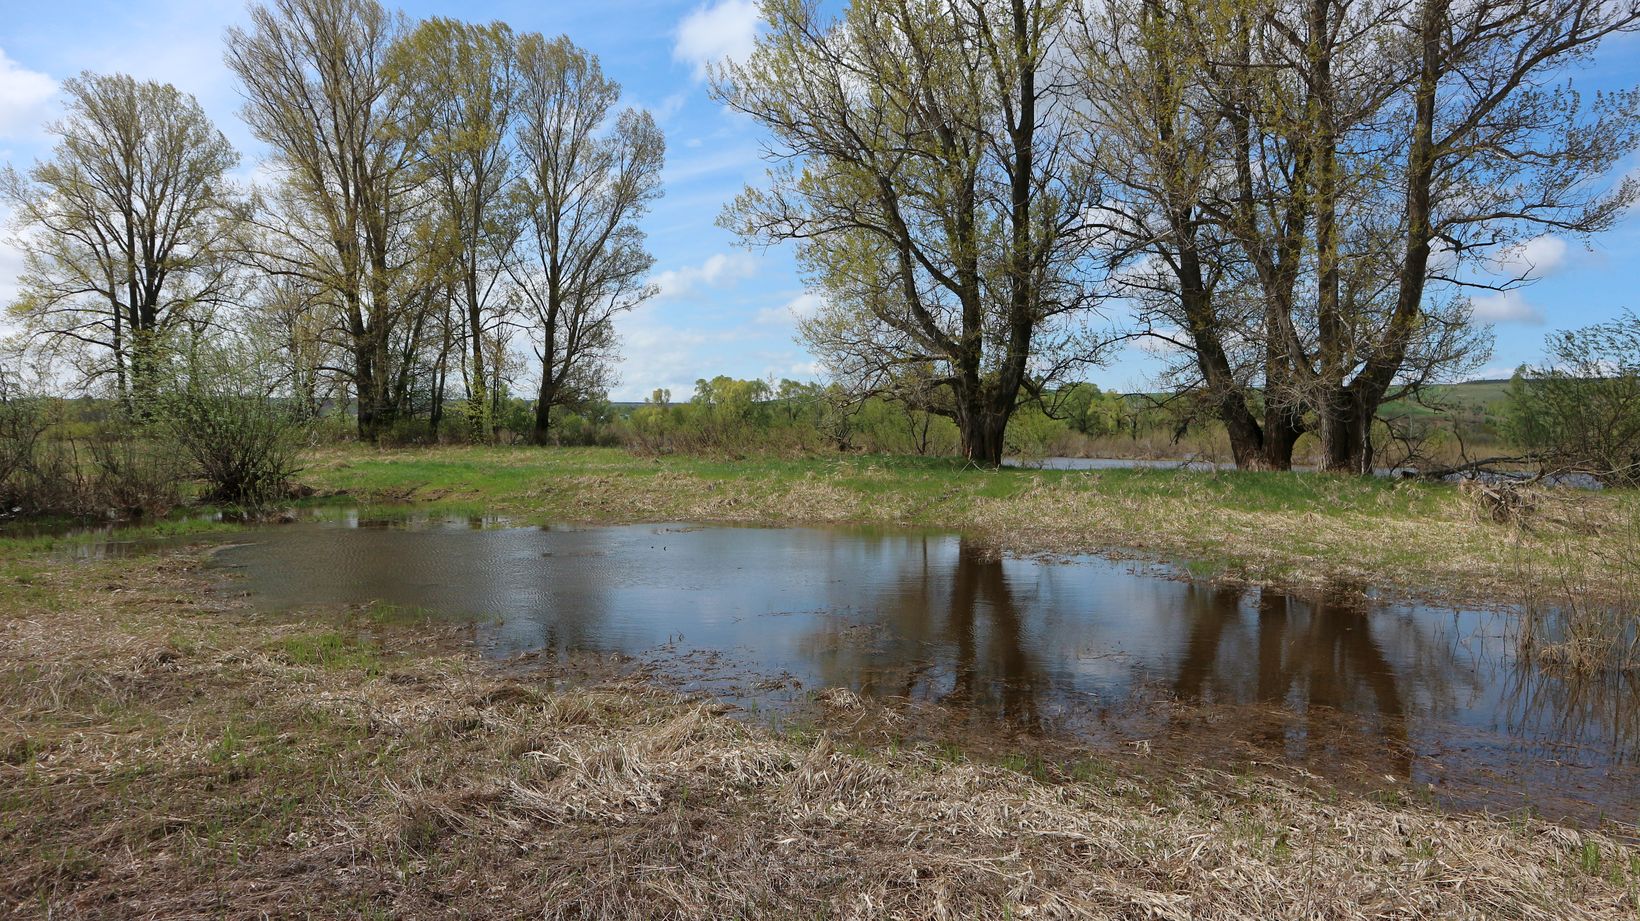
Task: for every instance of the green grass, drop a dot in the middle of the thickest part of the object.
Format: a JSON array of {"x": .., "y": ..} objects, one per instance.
[
  {"x": 331, "y": 649},
  {"x": 528, "y": 481},
  {"x": 1259, "y": 526},
  {"x": 63, "y": 534}
]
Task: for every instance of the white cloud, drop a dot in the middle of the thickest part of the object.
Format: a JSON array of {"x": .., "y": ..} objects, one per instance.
[
  {"x": 1535, "y": 258},
  {"x": 1505, "y": 307},
  {"x": 25, "y": 99},
  {"x": 809, "y": 369},
  {"x": 656, "y": 354},
  {"x": 801, "y": 307},
  {"x": 1493, "y": 372},
  {"x": 719, "y": 270},
  {"x": 715, "y": 31}
]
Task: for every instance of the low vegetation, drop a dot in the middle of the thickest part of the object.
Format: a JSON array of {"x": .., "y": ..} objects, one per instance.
[
  {"x": 1419, "y": 538},
  {"x": 166, "y": 752}
]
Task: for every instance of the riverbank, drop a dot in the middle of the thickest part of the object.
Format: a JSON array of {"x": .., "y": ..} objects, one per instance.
[
  {"x": 168, "y": 752},
  {"x": 1430, "y": 541}
]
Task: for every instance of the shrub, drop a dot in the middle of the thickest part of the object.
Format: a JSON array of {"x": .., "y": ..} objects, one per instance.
[
  {"x": 1581, "y": 410},
  {"x": 223, "y": 411}
]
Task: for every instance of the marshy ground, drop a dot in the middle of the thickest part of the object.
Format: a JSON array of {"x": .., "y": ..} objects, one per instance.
[
  {"x": 168, "y": 750},
  {"x": 1420, "y": 539}
]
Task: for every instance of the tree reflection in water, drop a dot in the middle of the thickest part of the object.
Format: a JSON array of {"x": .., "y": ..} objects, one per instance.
[
  {"x": 1314, "y": 662},
  {"x": 1086, "y": 652}
]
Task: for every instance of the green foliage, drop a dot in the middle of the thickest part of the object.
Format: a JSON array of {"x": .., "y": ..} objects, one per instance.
[
  {"x": 1091, "y": 411},
  {"x": 54, "y": 464},
  {"x": 222, "y": 413}
]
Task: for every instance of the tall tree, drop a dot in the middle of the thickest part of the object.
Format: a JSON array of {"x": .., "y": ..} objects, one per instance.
[
  {"x": 352, "y": 218},
  {"x": 126, "y": 228},
  {"x": 587, "y": 177},
  {"x": 1164, "y": 153},
  {"x": 461, "y": 82},
  {"x": 1293, "y": 165},
  {"x": 1486, "y": 153},
  {"x": 929, "y": 180}
]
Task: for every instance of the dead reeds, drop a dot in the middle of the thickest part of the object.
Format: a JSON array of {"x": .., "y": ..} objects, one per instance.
[{"x": 170, "y": 755}]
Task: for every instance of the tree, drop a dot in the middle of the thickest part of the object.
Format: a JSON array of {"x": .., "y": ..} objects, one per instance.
[
  {"x": 351, "y": 217},
  {"x": 225, "y": 409},
  {"x": 126, "y": 228},
  {"x": 1292, "y": 168},
  {"x": 929, "y": 179},
  {"x": 1162, "y": 149},
  {"x": 1089, "y": 410},
  {"x": 586, "y": 179},
  {"x": 1581, "y": 409},
  {"x": 460, "y": 81},
  {"x": 286, "y": 322},
  {"x": 1487, "y": 156}
]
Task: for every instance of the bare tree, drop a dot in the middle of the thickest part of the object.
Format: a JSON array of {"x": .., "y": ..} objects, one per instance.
[
  {"x": 1164, "y": 155},
  {"x": 1485, "y": 155},
  {"x": 125, "y": 229},
  {"x": 926, "y": 173},
  {"x": 586, "y": 179}
]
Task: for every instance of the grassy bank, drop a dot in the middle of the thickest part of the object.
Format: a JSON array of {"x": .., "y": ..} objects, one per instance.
[
  {"x": 165, "y": 752},
  {"x": 1426, "y": 539}
]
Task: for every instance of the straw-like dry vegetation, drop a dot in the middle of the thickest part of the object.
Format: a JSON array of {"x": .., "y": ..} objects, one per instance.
[
  {"x": 168, "y": 753},
  {"x": 1431, "y": 540}
]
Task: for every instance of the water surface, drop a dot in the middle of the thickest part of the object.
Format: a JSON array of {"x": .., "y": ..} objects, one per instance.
[{"x": 1102, "y": 652}]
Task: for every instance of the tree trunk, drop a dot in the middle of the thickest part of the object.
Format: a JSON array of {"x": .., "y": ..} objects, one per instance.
[
  {"x": 982, "y": 423},
  {"x": 478, "y": 396},
  {"x": 365, "y": 393},
  {"x": 541, "y": 433},
  {"x": 983, "y": 438},
  {"x": 1282, "y": 428},
  {"x": 1345, "y": 430}
]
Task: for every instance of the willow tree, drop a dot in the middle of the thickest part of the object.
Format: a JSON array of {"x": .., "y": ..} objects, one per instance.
[
  {"x": 1165, "y": 153},
  {"x": 588, "y": 174},
  {"x": 125, "y": 227},
  {"x": 1487, "y": 148},
  {"x": 352, "y": 217},
  {"x": 926, "y": 174},
  {"x": 1289, "y": 169},
  {"x": 461, "y": 84}
]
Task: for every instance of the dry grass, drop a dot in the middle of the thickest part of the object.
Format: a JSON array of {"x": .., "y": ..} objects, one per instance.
[
  {"x": 1425, "y": 540},
  {"x": 1580, "y": 605},
  {"x": 168, "y": 754}
]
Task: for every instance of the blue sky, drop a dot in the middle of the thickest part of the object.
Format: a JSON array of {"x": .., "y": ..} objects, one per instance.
[{"x": 723, "y": 309}]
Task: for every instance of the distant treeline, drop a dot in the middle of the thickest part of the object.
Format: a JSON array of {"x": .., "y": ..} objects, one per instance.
[{"x": 735, "y": 417}]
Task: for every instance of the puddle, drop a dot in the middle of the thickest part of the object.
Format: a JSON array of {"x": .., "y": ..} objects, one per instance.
[{"x": 1104, "y": 653}]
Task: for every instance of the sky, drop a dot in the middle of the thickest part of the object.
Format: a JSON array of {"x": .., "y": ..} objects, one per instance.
[{"x": 722, "y": 308}]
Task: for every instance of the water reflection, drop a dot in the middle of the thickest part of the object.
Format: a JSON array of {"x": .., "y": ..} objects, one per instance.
[
  {"x": 1088, "y": 649},
  {"x": 1310, "y": 662}
]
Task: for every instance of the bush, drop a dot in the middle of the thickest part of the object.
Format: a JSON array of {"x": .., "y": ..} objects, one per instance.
[
  {"x": 1581, "y": 410},
  {"x": 224, "y": 413},
  {"x": 21, "y": 424},
  {"x": 113, "y": 472}
]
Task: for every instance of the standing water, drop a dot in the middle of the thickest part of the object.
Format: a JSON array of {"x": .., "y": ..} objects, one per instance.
[{"x": 1097, "y": 651}]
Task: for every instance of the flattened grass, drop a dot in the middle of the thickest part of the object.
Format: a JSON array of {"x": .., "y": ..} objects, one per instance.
[{"x": 165, "y": 752}]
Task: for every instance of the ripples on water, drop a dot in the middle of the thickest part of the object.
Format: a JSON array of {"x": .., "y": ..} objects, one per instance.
[{"x": 1086, "y": 648}]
